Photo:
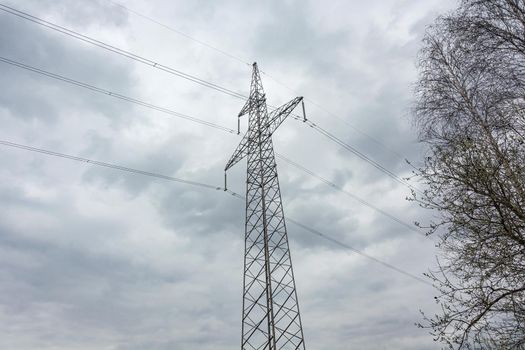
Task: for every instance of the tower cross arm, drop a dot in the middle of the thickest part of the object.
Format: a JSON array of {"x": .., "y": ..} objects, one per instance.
[
  {"x": 277, "y": 116},
  {"x": 240, "y": 152}
]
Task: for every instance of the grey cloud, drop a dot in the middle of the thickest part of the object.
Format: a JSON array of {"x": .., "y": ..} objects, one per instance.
[
  {"x": 291, "y": 36},
  {"x": 30, "y": 95},
  {"x": 80, "y": 13},
  {"x": 96, "y": 258},
  {"x": 95, "y": 291}
]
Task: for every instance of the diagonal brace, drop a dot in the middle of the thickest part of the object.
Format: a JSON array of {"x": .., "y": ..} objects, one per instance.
[{"x": 277, "y": 116}]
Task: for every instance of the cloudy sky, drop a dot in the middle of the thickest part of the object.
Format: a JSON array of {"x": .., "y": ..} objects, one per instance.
[{"x": 95, "y": 258}]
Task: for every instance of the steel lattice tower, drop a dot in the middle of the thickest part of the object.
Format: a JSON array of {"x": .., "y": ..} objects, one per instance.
[{"x": 270, "y": 313}]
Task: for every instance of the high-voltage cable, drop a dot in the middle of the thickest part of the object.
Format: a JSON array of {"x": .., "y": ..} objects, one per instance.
[
  {"x": 114, "y": 94},
  {"x": 179, "y": 32},
  {"x": 119, "y": 51},
  {"x": 107, "y": 165},
  {"x": 342, "y": 190},
  {"x": 346, "y": 246},
  {"x": 361, "y": 155}
]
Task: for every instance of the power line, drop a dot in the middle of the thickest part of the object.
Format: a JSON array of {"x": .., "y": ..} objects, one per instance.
[
  {"x": 196, "y": 120},
  {"x": 119, "y": 51},
  {"x": 361, "y": 155},
  {"x": 376, "y": 141},
  {"x": 340, "y": 189},
  {"x": 114, "y": 94},
  {"x": 179, "y": 32},
  {"x": 108, "y": 165},
  {"x": 346, "y": 246},
  {"x": 335, "y": 116},
  {"x": 207, "y": 186}
]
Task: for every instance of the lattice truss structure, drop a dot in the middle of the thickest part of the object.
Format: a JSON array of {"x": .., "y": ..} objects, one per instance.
[{"x": 270, "y": 314}]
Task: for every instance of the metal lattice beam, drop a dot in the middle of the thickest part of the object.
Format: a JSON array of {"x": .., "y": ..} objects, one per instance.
[{"x": 270, "y": 313}]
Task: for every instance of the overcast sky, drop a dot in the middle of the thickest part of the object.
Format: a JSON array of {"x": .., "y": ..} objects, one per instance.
[{"x": 95, "y": 258}]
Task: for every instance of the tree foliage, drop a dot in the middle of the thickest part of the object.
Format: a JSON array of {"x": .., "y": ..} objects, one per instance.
[{"x": 470, "y": 111}]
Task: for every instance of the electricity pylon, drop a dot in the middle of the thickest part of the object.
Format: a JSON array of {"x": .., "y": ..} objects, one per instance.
[{"x": 270, "y": 312}]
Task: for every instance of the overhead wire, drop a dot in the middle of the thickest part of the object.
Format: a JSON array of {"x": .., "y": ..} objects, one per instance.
[
  {"x": 351, "y": 195},
  {"x": 197, "y": 80},
  {"x": 114, "y": 94},
  {"x": 361, "y": 155},
  {"x": 108, "y": 165},
  {"x": 179, "y": 32},
  {"x": 199, "y": 121},
  {"x": 119, "y": 51},
  {"x": 359, "y": 131},
  {"x": 207, "y": 186},
  {"x": 346, "y": 246}
]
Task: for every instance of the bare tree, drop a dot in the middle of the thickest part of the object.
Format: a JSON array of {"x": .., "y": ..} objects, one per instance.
[{"x": 470, "y": 111}]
